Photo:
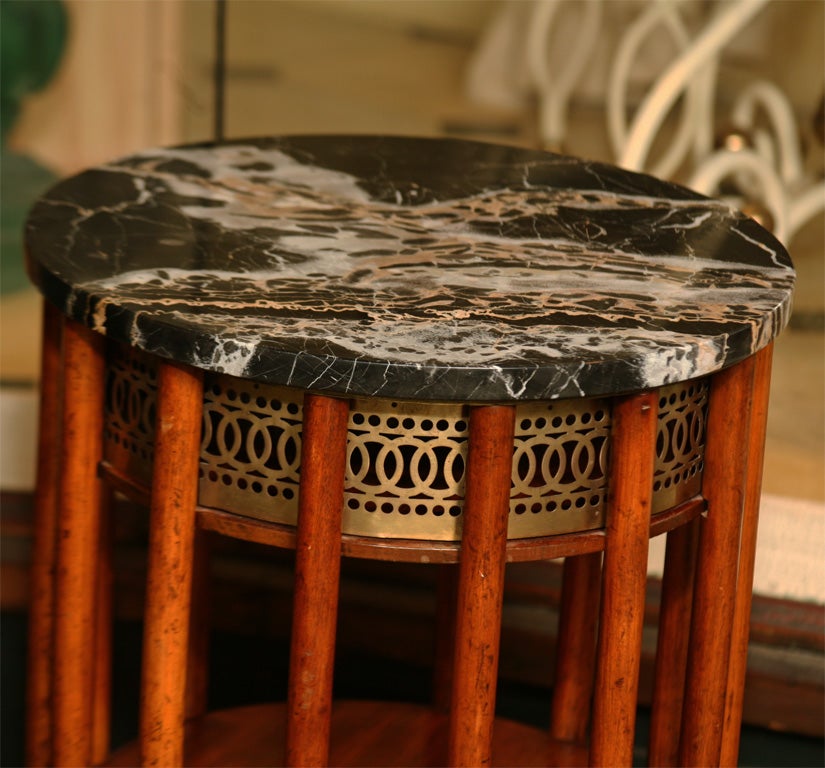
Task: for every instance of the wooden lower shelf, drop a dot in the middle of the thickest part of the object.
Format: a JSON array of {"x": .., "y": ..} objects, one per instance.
[
  {"x": 364, "y": 733},
  {"x": 387, "y": 611}
]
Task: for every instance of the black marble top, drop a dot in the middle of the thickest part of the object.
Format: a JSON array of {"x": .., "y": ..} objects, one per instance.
[{"x": 410, "y": 268}]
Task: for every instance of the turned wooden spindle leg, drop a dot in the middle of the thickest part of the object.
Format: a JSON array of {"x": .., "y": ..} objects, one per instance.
[
  {"x": 102, "y": 701},
  {"x": 672, "y": 645},
  {"x": 317, "y": 573},
  {"x": 716, "y": 566},
  {"x": 625, "y": 572},
  {"x": 44, "y": 547},
  {"x": 576, "y": 649},
  {"x": 76, "y": 588},
  {"x": 747, "y": 555},
  {"x": 169, "y": 568},
  {"x": 481, "y": 585}
]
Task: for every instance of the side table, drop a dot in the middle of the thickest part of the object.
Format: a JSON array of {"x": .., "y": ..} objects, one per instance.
[{"x": 404, "y": 349}]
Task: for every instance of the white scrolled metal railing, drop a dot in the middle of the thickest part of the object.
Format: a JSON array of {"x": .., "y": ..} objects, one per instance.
[
  {"x": 762, "y": 160},
  {"x": 555, "y": 79}
]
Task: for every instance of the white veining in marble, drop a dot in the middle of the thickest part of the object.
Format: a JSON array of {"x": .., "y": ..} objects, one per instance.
[{"x": 512, "y": 283}]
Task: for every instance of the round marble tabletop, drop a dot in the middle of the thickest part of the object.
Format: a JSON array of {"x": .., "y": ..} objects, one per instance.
[{"x": 409, "y": 268}]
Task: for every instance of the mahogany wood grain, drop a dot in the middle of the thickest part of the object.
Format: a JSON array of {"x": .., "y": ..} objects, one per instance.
[
  {"x": 317, "y": 575},
  {"x": 623, "y": 583},
  {"x": 246, "y": 528},
  {"x": 481, "y": 585},
  {"x": 551, "y": 547},
  {"x": 665, "y": 522},
  {"x": 102, "y": 702},
  {"x": 169, "y": 567},
  {"x": 716, "y": 567},
  {"x": 364, "y": 733},
  {"x": 75, "y": 618},
  {"x": 44, "y": 547},
  {"x": 672, "y": 645},
  {"x": 576, "y": 647},
  {"x": 130, "y": 487},
  {"x": 747, "y": 555}
]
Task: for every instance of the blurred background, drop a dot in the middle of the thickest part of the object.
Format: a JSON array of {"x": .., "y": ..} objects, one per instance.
[{"x": 726, "y": 97}]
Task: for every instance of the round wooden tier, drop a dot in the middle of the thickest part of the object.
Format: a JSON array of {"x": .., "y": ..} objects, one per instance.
[{"x": 383, "y": 734}]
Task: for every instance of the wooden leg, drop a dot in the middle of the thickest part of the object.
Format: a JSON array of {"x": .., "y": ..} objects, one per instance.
[
  {"x": 78, "y": 542},
  {"x": 747, "y": 555},
  {"x": 481, "y": 585},
  {"x": 169, "y": 568},
  {"x": 625, "y": 572},
  {"x": 44, "y": 549},
  {"x": 197, "y": 671},
  {"x": 102, "y": 701},
  {"x": 445, "y": 614},
  {"x": 672, "y": 645},
  {"x": 576, "y": 650},
  {"x": 716, "y": 568},
  {"x": 317, "y": 573}
]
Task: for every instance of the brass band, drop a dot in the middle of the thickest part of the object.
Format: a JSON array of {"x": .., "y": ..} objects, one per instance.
[{"x": 405, "y": 460}]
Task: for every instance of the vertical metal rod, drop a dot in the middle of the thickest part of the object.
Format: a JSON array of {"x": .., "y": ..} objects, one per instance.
[{"x": 219, "y": 81}]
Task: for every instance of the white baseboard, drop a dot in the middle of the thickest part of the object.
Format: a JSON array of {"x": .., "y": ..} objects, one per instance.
[
  {"x": 18, "y": 437},
  {"x": 790, "y": 550}
]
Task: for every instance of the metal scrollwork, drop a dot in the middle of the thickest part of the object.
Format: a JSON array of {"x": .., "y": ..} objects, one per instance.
[
  {"x": 406, "y": 461},
  {"x": 131, "y": 384},
  {"x": 680, "y": 443}
]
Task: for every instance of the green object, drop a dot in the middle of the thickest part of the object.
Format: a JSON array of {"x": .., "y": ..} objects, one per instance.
[
  {"x": 22, "y": 181},
  {"x": 32, "y": 38}
]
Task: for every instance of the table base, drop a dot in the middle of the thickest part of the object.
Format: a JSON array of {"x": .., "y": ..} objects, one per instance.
[
  {"x": 703, "y": 664},
  {"x": 363, "y": 734}
]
